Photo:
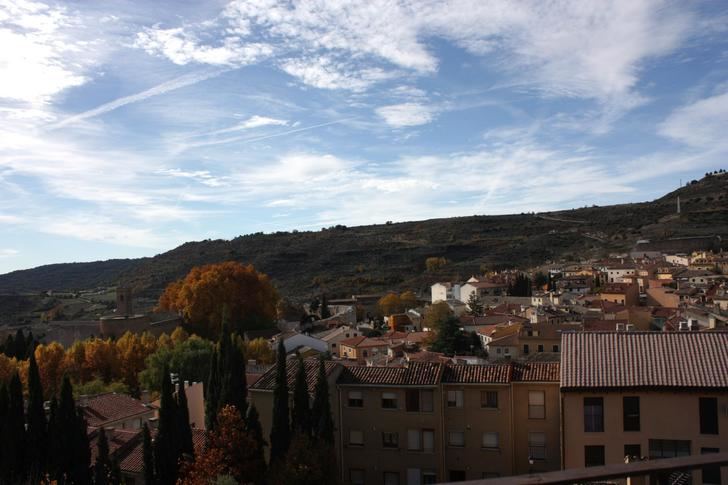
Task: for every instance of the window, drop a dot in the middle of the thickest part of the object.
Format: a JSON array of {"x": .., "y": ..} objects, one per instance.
[
  {"x": 498, "y": 350},
  {"x": 669, "y": 448},
  {"x": 536, "y": 407},
  {"x": 555, "y": 348},
  {"x": 708, "y": 415},
  {"x": 356, "y": 437},
  {"x": 413, "y": 476},
  {"x": 356, "y": 399},
  {"x": 489, "y": 399},
  {"x": 525, "y": 348},
  {"x": 454, "y": 399},
  {"x": 419, "y": 400},
  {"x": 390, "y": 440},
  {"x": 428, "y": 440},
  {"x": 429, "y": 477},
  {"x": 389, "y": 400},
  {"x": 593, "y": 414},
  {"x": 633, "y": 451},
  {"x": 540, "y": 348},
  {"x": 490, "y": 440},
  {"x": 456, "y": 438},
  {"x": 537, "y": 445},
  {"x": 457, "y": 475},
  {"x": 631, "y": 409},
  {"x": 593, "y": 455},
  {"x": 356, "y": 476},
  {"x": 414, "y": 439},
  {"x": 711, "y": 474},
  {"x": 391, "y": 478}
]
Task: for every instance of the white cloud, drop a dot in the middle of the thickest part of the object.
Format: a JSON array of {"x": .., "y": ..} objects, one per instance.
[
  {"x": 325, "y": 73},
  {"x": 38, "y": 59},
  {"x": 701, "y": 124},
  {"x": 201, "y": 176},
  {"x": 8, "y": 252},
  {"x": 406, "y": 114},
  {"x": 254, "y": 121}
]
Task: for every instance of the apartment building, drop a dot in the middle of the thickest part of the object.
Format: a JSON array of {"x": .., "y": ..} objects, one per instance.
[{"x": 640, "y": 394}]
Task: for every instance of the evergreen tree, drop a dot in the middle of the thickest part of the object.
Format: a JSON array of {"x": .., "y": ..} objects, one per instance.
[
  {"x": 102, "y": 467},
  {"x": 321, "y": 417},
  {"x": 233, "y": 388},
  {"x": 183, "y": 416},
  {"x": 301, "y": 415},
  {"x": 115, "y": 477},
  {"x": 475, "y": 305},
  {"x": 447, "y": 337},
  {"x": 325, "y": 312},
  {"x": 37, "y": 425},
  {"x": 280, "y": 430},
  {"x": 166, "y": 445},
  {"x": 54, "y": 454},
  {"x": 69, "y": 440},
  {"x": 4, "y": 429},
  {"x": 21, "y": 346},
  {"x": 148, "y": 456},
  {"x": 255, "y": 431},
  {"x": 212, "y": 391},
  {"x": 14, "y": 436}
]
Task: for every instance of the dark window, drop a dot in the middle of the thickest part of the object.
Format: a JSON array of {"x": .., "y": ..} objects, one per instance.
[
  {"x": 389, "y": 400},
  {"x": 391, "y": 478},
  {"x": 634, "y": 452},
  {"x": 708, "y": 415},
  {"x": 356, "y": 477},
  {"x": 594, "y": 455},
  {"x": 593, "y": 414},
  {"x": 489, "y": 399},
  {"x": 555, "y": 348},
  {"x": 457, "y": 475},
  {"x": 413, "y": 400},
  {"x": 669, "y": 448},
  {"x": 356, "y": 399},
  {"x": 540, "y": 348},
  {"x": 711, "y": 473},
  {"x": 631, "y": 408},
  {"x": 390, "y": 440},
  {"x": 525, "y": 348}
]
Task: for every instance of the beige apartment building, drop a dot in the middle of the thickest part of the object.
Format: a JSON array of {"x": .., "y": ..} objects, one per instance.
[{"x": 645, "y": 395}]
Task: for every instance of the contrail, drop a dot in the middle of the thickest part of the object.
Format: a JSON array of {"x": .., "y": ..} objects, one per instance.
[
  {"x": 165, "y": 87},
  {"x": 263, "y": 137}
]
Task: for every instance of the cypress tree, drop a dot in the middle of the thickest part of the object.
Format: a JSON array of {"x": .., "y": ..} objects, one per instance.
[
  {"x": 102, "y": 467},
  {"x": 9, "y": 347},
  {"x": 69, "y": 448},
  {"x": 301, "y": 415},
  {"x": 183, "y": 417},
  {"x": 148, "y": 456},
  {"x": 54, "y": 454},
  {"x": 81, "y": 458},
  {"x": 21, "y": 346},
  {"x": 231, "y": 371},
  {"x": 37, "y": 425},
  {"x": 166, "y": 445},
  {"x": 115, "y": 477},
  {"x": 280, "y": 431},
  {"x": 325, "y": 312},
  {"x": 255, "y": 430},
  {"x": 323, "y": 422},
  {"x": 212, "y": 392},
  {"x": 4, "y": 424},
  {"x": 14, "y": 436}
]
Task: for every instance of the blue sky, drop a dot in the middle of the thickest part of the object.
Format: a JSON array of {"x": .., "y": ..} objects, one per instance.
[{"x": 129, "y": 127}]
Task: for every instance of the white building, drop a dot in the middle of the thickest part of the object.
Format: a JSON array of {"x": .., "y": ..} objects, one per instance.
[{"x": 445, "y": 291}]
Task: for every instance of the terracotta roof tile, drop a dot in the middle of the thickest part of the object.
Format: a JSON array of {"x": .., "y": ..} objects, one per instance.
[
  {"x": 536, "y": 372},
  {"x": 477, "y": 374},
  {"x": 415, "y": 374},
  {"x": 107, "y": 408},
  {"x": 267, "y": 381},
  {"x": 645, "y": 360}
]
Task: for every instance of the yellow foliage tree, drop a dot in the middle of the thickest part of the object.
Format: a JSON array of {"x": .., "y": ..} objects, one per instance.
[
  {"x": 206, "y": 292},
  {"x": 408, "y": 300},
  {"x": 51, "y": 360},
  {"x": 75, "y": 362},
  {"x": 436, "y": 314},
  {"x": 132, "y": 351},
  {"x": 8, "y": 367},
  {"x": 179, "y": 335},
  {"x": 259, "y": 350},
  {"x": 101, "y": 359},
  {"x": 389, "y": 304}
]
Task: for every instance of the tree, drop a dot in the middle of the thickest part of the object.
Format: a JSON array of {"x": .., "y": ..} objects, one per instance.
[
  {"x": 212, "y": 392},
  {"x": 101, "y": 358},
  {"x": 434, "y": 263},
  {"x": 306, "y": 464},
  {"x": 448, "y": 336},
  {"x": 389, "y": 304},
  {"x": 325, "y": 312},
  {"x": 50, "y": 359},
  {"x": 102, "y": 467},
  {"x": 321, "y": 417},
  {"x": 200, "y": 297},
  {"x": 69, "y": 446},
  {"x": 255, "y": 431},
  {"x": 167, "y": 449},
  {"x": 230, "y": 451},
  {"x": 5, "y": 459},
  {"x": 148, "y": 457},
  {"x": 132, "y": 351},
  {"x": 521, "y": 286},
  {"x": 183, "y": 418},
  {"x": 475, "y": 305},
  {"x": 407, "y": 300},
  {"x": 37, "y": 425},
  {"x": 280, "y": 430},
  {"x": 301, "y": 416},
  {"x": 14, "y": 437},
  {"x": 436, "y": 314},
  {"x": 258, "y": 350},
  {"x": 233, "y": 387},
  {"x": 191, "y": 358}
]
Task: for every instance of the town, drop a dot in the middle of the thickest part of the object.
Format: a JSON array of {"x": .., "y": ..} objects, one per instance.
[{"x": 567, "y": 366}]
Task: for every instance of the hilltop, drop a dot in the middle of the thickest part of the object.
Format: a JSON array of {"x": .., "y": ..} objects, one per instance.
[{"x": 344, "y": 260}]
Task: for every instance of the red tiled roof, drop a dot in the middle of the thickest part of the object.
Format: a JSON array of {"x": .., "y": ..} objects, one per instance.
[
  {"x": 132, "y": 460},
  {"x": 536, "y": 372},
  {"x": 268, "y": 380},
  {"x": 353, "y": 341},
  {"x": 477, "y": 374},
  {"x": 644, "y": 360},
  {"x": 415, "y": 374},
  {"x": 107, "y": 408}
]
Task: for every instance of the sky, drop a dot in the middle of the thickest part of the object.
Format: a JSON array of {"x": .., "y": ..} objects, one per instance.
[{"x": 130, "y": 127}]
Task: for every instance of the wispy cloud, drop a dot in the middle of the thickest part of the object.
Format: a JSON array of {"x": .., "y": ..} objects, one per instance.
[
  {"x": 8, "y": 252},
  {"x": 165, "y": 87},
  {"x": 699, "y": 124},
  {"x": 406, "y": 114}
]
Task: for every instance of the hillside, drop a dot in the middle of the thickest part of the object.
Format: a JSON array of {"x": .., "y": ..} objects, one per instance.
[{"x": 342, "y": 260}]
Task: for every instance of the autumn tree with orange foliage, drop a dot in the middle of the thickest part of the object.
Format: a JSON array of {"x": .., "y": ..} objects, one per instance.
[
  {"x": 50, "y": 358},
  {"x": 230, "y": 451},
  {"x": 208, "y": 291}
]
